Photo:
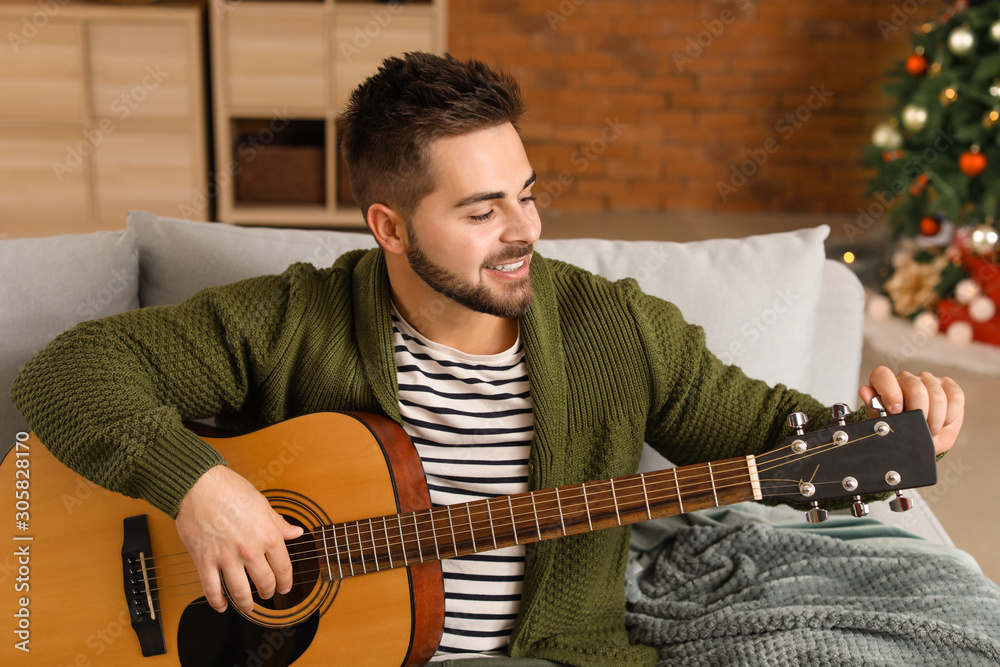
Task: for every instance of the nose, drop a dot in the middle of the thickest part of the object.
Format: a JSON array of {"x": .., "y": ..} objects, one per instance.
[{"x": 524, "y": 226}]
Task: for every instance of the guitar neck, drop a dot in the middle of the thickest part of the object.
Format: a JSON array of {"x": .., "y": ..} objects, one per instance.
[{"x": 370, "y": 545}]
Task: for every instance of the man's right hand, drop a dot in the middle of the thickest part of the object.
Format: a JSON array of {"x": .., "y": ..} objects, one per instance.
[{"x": 230, "y": 529}]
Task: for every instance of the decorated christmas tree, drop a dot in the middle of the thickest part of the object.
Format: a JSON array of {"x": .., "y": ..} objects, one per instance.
[{"x": 937, "y": 161}]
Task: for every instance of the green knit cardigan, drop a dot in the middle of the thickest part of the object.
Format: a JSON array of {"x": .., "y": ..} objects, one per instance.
[{"x": 609, "y": 366}]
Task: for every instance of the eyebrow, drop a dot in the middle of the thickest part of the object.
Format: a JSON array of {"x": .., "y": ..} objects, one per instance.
[{"x": 486, "y": 196}]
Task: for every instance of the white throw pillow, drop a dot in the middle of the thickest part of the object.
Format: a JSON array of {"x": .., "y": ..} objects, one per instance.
[{"x": 756, "y": 297}]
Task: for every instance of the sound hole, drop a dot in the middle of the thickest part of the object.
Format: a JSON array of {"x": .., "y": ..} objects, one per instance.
[
  {"x": 206, "y": 638},
  {"x": 305, "y": 572}
]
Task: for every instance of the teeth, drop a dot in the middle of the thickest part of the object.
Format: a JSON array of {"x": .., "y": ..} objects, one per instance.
[{"x": 508, "y": 267}]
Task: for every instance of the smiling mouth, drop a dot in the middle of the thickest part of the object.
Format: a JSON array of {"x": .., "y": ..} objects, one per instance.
[{"x": 507, "y": 267}]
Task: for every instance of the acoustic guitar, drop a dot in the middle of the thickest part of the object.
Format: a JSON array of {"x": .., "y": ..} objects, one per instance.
[{"x": 91, "y": 577}]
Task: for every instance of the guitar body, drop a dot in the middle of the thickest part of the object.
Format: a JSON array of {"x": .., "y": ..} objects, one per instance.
[{"x": 64, "y": 602}]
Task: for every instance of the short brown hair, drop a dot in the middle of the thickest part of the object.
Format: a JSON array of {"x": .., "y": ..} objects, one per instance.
[{"x": 393, "y": 117}]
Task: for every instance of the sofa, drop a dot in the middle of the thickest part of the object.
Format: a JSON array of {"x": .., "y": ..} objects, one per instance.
[{"x": 772, "y": 304}]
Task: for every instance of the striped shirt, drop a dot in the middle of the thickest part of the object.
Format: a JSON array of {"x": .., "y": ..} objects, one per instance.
[{"x": 470, "y": 418}]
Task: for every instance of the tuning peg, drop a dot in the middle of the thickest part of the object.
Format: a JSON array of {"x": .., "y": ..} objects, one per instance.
[
  {"x": 840, "y": 412},
  {"x": 877, "y": 405},
  {"x": 798, "y": 420},
  {"x": 815, "y": 514},
  {"x": 900, "y": 503},
  {"x": 859, "y": 508}
]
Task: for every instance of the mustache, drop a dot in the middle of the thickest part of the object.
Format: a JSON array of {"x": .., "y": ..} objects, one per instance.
[{"x": 509, "y": 255}]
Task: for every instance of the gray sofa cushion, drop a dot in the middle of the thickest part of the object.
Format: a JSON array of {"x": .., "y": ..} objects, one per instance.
[
  {"x": 180, "y": 257},
  {"x": 48, "y": 285}
]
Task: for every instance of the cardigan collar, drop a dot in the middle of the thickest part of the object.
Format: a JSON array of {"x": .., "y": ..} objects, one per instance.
[{"x": 542, "y": 344}]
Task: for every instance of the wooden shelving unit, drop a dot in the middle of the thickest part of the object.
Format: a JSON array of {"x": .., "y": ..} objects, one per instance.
[
  {"x": 102, "y": 109},
  {"x": 281, "y": 73}
]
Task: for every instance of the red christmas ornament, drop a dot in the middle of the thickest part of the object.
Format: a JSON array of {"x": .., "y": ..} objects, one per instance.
[
  {"x": 929, "y": 226},
  {"x": 888, "y": 156},
  {"x": 916, "y": 64},
  {"x": 972, "y": 163},
  {"x": 919, "y": 184}
]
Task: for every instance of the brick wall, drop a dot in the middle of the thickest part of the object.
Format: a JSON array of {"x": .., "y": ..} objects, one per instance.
[{"x": 722, "y": 105}]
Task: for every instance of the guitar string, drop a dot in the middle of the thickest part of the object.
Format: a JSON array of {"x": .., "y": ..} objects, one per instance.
[
  {"x": 737, "y": 466},
  {"x": 699, "y": 478}
]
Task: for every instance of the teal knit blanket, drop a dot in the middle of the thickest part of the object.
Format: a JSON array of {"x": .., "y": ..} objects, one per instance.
[{"x": 745, "y": 592}]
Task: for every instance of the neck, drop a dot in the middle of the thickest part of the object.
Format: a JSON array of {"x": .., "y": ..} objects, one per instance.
[{"x": 445, "y": 322}]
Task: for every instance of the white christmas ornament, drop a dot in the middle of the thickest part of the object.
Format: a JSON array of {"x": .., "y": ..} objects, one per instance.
[
  {"x": 982, "y": 309},
  {"x": 887, "y": 137},
  {"x": 966, "y": 290},
  {"x": 995, "y": 31},
  {"x": 926, "y": 323},
  {"x": 984, "y": 239},
  {"x": 879, "y": 307},
  {"x": 959, "y": 333},
  {"x": 914, "y": 117},
  {"x": 961, "y": 41}
]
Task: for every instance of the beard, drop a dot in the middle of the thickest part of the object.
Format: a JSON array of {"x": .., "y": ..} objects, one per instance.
[{"x": 512, "y": 301}]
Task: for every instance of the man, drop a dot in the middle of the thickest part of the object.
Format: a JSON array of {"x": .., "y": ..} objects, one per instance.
[{"x": 455, "y": 329}]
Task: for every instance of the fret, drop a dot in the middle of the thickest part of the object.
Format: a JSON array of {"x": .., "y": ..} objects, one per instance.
[
  {"x": 489, "y": 515},
  {"x": 534, "y": 511},
  {"x": 388, "y": 547},
  {"x": 562, "y": 520},
  {"x": 434, "y": 534},
  {"x": 586, "y": 504},
  {"x": 614, "y": 499},
  {"x": 347, "y": 547},
  {"x": 452, "y": 525},
  {"x": 402, "y": 539},
  {"x": 361, "y": 549},
  {"x": 371, "y": 531},
  {"x": 472, "y": 531},
  {"x": 645, "y": 495},
  {"x": 326, "y": 554},
  {"x": 416, "y": 535},
  {"x": 711, "y": 479},
  {"x": 513, "y": 521},
  {"x": 678, "y": 485}
]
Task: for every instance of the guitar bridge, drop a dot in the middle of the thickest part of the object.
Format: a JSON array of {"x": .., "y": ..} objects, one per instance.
[{"x": 141, "y": 594}]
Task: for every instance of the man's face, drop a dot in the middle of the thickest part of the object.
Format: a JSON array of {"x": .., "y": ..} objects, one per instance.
[{"x": 472, "y": 238}]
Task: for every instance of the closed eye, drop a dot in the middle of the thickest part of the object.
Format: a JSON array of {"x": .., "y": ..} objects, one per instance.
[{"x": 484, "y": 217}]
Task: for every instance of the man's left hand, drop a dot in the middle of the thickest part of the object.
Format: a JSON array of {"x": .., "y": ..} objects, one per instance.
[{"x": 941, "y": 399}]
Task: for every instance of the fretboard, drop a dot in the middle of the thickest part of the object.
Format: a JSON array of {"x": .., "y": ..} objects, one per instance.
[{"x": 370, "y": 545}]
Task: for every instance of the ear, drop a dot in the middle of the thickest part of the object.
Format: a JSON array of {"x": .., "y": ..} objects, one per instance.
[{"x": 388, "y": 227}]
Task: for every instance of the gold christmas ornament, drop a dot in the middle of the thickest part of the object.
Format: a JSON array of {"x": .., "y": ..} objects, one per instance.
[
  {"x": 948, "y": 95},
  {"x": 990, "y": 119},
  {"x": 961, "y": 41},
  {"x": 914, "y": 117},
  {"x": 887, "y": 136}
]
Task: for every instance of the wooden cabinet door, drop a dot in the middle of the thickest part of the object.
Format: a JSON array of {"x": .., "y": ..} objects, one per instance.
[
  {"x": 143, "y": 70},
  {"x": 276, "y": 57},
  {"x": 41, "y": 78},
  {"x": 363, "y": 38},
  {"x": 151, "y": 170},
  {"x": 44, "y": 176}
]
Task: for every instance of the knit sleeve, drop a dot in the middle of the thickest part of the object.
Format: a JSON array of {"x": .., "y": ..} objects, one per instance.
[
  {"x": 701, "y": 409},
  {"x": 108, "y": 397}
]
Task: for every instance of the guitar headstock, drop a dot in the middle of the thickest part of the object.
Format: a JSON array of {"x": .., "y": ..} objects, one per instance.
[{"x": 888, "y": 453}]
